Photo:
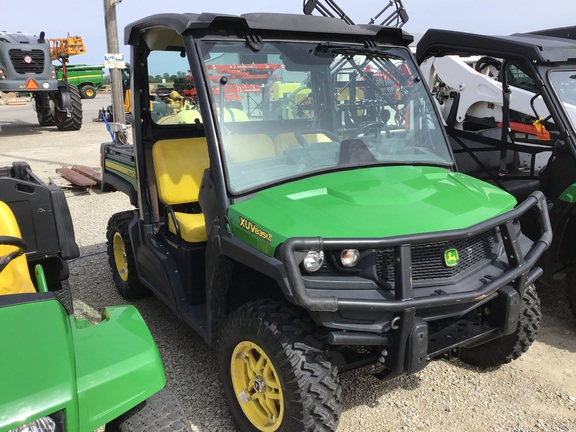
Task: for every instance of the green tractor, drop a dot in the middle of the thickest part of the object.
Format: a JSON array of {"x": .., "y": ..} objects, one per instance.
[
  {"x": 26, "y": 67},
  {"x": 60, "y": 373},
  {"x": 297, "y": 204}
]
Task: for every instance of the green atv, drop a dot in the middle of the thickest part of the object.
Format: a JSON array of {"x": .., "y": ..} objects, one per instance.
[
  {"x": 297, "y": 204},
  {"x": 60, "y": 373}
]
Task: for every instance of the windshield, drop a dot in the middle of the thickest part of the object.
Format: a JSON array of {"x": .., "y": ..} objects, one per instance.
[
  {"x": 295, "y": 109},
  {"x": 564, "y": 84}
]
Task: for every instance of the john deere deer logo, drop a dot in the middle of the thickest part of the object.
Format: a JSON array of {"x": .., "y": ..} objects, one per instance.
[{"x": 451, "y": 257}]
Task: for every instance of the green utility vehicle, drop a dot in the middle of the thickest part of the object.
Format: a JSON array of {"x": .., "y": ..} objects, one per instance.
[
  {"x": 87, "y": 78},
  {"x": 510, "y": 107},
  {"x": 297, "y": 204},
  {"x": 60, "y": 373},
  {"x": 26, "y": 66}
]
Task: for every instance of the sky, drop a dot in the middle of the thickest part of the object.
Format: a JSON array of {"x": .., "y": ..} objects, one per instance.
[{"x": 498, "y": 17}]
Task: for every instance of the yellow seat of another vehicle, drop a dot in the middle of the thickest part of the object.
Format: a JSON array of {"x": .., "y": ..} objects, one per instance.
[{"x": 15, "y": 278}]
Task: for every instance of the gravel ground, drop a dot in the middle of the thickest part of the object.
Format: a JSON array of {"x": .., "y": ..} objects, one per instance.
[{"x": 535, "y": 393}]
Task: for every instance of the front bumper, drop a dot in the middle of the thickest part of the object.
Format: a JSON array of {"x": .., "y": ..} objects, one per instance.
[{"x": 402, "y": 314}]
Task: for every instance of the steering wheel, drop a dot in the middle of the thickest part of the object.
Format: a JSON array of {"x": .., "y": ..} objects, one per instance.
[{"x": 11, "y": 241}]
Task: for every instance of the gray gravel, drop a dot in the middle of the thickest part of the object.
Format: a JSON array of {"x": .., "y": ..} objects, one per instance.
[{"x": 535, "y": 393}]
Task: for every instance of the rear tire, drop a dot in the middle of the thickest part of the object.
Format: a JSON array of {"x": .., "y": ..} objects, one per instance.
[
  {"x": 121, "y": 257},
  {"x": 275, "y": 375},
  {"x": 507, "y": 348},
  {"x": 87, "y": 92},
  {"x": 67, "y": 107},
  {"x": 160, "y": 412}
]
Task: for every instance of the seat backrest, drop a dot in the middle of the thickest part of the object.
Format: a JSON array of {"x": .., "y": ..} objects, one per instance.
[
  {"x": 15, "y": 278},
  {"x": 242, "y": 148},
  {"x": 179, "y": 165}
]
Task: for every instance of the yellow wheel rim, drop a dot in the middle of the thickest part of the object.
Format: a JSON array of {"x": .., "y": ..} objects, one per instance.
[
  {"x": 120, "y": 257},
  {"x": 257, "y": 386},
  {"x": 89, "y": 93}
]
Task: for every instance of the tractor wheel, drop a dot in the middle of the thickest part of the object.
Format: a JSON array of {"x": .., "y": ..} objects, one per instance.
[
  {"x": 507, "y": 348},
  {"x": 275, "y": 375},
  {"x": 67, "y": 107},
  {"x": 87, "y": 92},
  {"x": 121, "y": 257},
  {"x": 161, "y": 411},
  {"x": 44, "y": 109}
]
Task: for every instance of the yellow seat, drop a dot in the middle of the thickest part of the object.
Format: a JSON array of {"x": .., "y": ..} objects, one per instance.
[
  {"x": 15, "y": 278},
  {"x": 285, "y": 140},
  {"x": 316, "y": 137},
  {"x": 179, "y": 165},
  {"x": 242, "y": 148}
]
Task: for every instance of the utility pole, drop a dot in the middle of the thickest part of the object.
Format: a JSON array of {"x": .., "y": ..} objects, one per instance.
[{"x": 115, "y": 73}]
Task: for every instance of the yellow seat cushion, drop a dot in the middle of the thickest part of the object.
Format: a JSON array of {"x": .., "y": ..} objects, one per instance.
[
  {"x": 15, "y": 278},
  {"x": 192, "y": 226}
]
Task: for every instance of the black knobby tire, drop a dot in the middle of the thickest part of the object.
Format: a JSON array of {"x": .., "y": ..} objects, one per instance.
[
  {"x": 121, "y": 257},
  {"x": 67, "y": 100},
  {"x": 160, "y": 412},
  {"x": 507, "y": 348},
  {"x": 88, "y": 92},
  {"x": 308, "y": 381},
  {"x": 44, "y": 109},
  {"x": 64, "y": 295}
]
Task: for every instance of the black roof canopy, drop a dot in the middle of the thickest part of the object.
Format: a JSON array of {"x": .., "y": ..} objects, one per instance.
[
  {"x": 545, "y": 46},
  {"x": 266, "y": 24}
]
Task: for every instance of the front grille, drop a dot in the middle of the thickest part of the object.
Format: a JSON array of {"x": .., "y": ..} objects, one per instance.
[
  {"x": 27, "y": 61},
  {"x": 428, "y": 259}
]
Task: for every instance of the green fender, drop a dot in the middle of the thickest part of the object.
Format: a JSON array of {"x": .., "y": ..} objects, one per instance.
[
  {"x": 52, "y": 362},
  {"x": 117, "y": 365}
]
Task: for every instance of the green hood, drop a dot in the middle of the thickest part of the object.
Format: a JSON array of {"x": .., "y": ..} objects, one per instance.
[
  {"x": 37, "y": 362},
  {"x": 367, "y": 203}
]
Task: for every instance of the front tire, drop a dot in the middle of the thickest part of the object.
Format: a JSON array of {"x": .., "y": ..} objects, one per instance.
[
  {"x": 507, "y": 348},
  {"x": 160, "y": 412},
  {"x": 67, "y": 108},
  {"x": 44, "y": 109},
  {"x": 64, "y": 295},
  {"x": 275, "y": 375},
  {"x": 121, "y": 257}
]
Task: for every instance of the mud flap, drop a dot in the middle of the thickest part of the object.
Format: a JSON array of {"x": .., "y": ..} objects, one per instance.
[
  {"x": 505, "y": 310},
  {"x": 417, "y": 347}
]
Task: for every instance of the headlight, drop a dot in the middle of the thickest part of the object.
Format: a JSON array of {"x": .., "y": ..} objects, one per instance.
[
  {"x": 313, "y": 261},
  {"x": 44, "y": 424},
  {"x": 349, "y": 257}
]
